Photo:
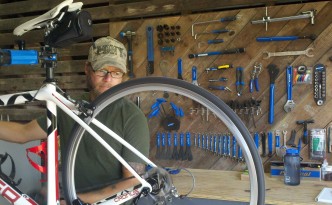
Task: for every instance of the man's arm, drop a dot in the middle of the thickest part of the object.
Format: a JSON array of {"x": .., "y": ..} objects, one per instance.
[
  {"x": 21, "y": 133},
  {"x": 108, "y": 191}
]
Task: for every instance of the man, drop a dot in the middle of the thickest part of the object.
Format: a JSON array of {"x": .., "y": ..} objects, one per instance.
[{"x": 104, "y": 69}]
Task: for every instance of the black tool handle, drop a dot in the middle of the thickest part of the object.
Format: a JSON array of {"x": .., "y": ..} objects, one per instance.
[{"x": 263, "y": 135}]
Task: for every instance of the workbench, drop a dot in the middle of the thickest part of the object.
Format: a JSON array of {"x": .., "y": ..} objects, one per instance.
[{"x": 227, "y": 185}]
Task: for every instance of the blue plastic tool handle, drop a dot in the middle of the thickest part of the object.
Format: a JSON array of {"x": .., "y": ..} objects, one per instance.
[
  {"x": 276, "y": 38},
  {"x": 239, "y": 152},
  {"x": 175, "y": 108},
  {"x": 277, "y": 141},
  {"x": 270, "y": 141},
  {"x": 161, "y": 100},
  {"x": 169, "y": 138},
  {"x": 149, "y": 33},
  {"x": 220, "y": 31},
  {"x": 203, "y": 141},
  {"x": 155, "y": 105},
  {"x": 181, "y": 139},
  {"x": 215, "y": 41},
  {"x": 271, "y": 105},
  {"x": 175, "y": 135},
  {"x": 256, "y": 84},
  {"x": 215, "y": 87},
  {"x": 299, "y": 145},
  {"x": 224, "y": 144},
  {"x": 163, "y": 139},
  {"x": 219, "y": 144},
  {"x": 180, "y": 66},
  {"x": 154, "y": 113},
  {"x": 234, "y": 147},
  {"x": 194, "y": 73},
  {"x": 215, "y": 144},
  {"x": 158, "y": 139},
  {"x": 21, "y": 57},
  {"x": 289, "y": 81},
  {"x": 188, "y": 143},
  {"x": 199, "y": 141},
  {"x": 256, "y": 138},
  {"x": 229, "y": 18},
  {"x": 251, "y": 85},
  {"x": 181, "y": 112}
]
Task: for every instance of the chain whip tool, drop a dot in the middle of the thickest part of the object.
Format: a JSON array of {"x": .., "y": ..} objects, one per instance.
[
  {"x": 290, "y": 105},
  {"x": 303, "y": 15},
  {"x": 308, "y": 52},
  {"x": 273, "y": 71}
]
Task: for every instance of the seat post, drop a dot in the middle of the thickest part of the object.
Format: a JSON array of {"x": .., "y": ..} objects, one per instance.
[{"x": 48, "y": 57}]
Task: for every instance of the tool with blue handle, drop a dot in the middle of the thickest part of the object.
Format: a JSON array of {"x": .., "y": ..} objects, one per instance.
[
  {"x": 224, "y": 52},
  {"x": 256, "y": 139},
  {"x": 273, "y": 71},
  {"x": 175, "y": 153},
  {"x": 263, "y": 135},
  {"x": 158, "y": 153},
  {"x": 203, "y": 141},
  {"x": 239, "y": 81},
  {"x": 220, "y": 67},
  {"x": 180, "y": 69},
  {"x": 215, "y": 144},
  {"x": 182, "y": 155},
  {"x": 277, "y": 139},
  {"x": 219, "y": 145},
  {"x": 194, "y": 75},
  {"x": 284, "y": 38},
  {"x": 234, "y": 148},
  {"x": 270, "y": 143},
  {"x": 163, "y": 146},
  {"x": 239, "y": 155},
  {"x": 199, "y": 140},
  {"x": 211, "y": 143},
  {"x": 224, "y": 19},
  {"x": 305, "y": 129},
  {"x": 222, "y": 79},
  {"x": 169, "y": 145},
  {"x": 290, "y": 105},
  {"x": 215, "y": 87},
  {"x": 150, "y": 49},
  {"x": 188, "y": 153}
]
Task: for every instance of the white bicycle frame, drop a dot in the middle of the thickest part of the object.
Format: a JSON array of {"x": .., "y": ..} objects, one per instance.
[{"x": 54, "y": 99}]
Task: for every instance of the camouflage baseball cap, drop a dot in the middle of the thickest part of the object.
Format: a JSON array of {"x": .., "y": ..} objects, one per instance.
[{"x": 107, "y": 51}]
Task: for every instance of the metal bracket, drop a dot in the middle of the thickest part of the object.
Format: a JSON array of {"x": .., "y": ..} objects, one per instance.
[{"x": 306, "y": 14}]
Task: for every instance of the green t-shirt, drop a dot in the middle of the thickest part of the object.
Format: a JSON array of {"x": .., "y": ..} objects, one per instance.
[{"x": 95, "y": 166}]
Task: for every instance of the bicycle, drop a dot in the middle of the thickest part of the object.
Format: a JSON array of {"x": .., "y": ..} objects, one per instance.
[{"x": 75, "y": 109}]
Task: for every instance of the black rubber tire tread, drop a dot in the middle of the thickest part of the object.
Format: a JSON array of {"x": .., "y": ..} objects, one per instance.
[{"x": 168, "y": 82}]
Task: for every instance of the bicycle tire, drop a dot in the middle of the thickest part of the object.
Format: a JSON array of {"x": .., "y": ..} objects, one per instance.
[{"x": 210, "y": 101}]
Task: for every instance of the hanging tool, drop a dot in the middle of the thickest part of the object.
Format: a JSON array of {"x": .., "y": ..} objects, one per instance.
[
  {"x": 270, "y": 143},
  {"x": 224, "y": 19},
  {"x": 194, "y": 75},
  {"x": 223, "y": 79},
  {"x": 254, "y": 77},
  {"x": 306, "y": 14},
  {"x": 263, "y": 136},
  {"x": 169, "y": 145},
  {"x": 239, "y": 81},
  {"x": 188, "y": 154},
  {"x": 308, "y": 52},
  {"x": 149, "y": 34},
  {"x": 291, "y": 140},
  {"x": 221, "y": 67},
  {"x": 283, "y": 148},
  {"x": 277, "y": 139},
  {"x": 239, "y": 155},
  {"x": 209, "y": 42},
  {"x": 234, "y": 145},
  {"x": 163, "y": 146},
  {"x": 319, "y": 84},
  {"x": 290, "y": 104},
  {"x": 284, "y": 38},
  {"x": 224, "y": 52},
  {"x": 256, "y": 139},
  {"x": 158, "y": 153},
  {"x": 215, "y": 32},
  {"x": 129, "y": 35},
  {"x": 215, "y": 87},
  {"x": 199, "y": 140},
  {"x": 273, "y": 71},
  {"x": 305, "y": 129},
  {"x": 329, "y": 140},
  {"x": 182, "y": 156},
  {"x": 175, "y": 153},
  {"x": 180, "y": 69}
]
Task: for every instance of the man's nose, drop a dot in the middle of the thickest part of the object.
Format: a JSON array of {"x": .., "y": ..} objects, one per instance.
[{"x": 107, "y": 77}]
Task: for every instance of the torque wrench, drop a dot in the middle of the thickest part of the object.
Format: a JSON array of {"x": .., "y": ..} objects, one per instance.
[
  {"x": 308, "y": 52},
  {"x": 150, "y": 48},
  {"x": 284, "y": 38},
  {"x": 290, "y": 105},
  {"x": 224, "y": 52},
  {"x": 273, "y": 71}
]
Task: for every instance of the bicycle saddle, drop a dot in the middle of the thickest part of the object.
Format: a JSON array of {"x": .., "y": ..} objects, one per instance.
[{"x": 54, "y": 14}]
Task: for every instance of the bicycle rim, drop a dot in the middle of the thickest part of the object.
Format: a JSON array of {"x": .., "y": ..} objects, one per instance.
[{"x": 205, "y": 98}]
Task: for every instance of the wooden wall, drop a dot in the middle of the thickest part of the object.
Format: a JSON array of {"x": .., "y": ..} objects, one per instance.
[{"x": 112, "y": 17}]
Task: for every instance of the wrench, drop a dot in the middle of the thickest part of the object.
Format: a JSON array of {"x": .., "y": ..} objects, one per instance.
[
  {"x": 290, "y": 105},
  {"x": 282, "y": 149},
  {"x": 307, "y": 52}
]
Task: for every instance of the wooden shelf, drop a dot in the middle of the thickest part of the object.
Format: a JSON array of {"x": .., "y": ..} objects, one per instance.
[{"x": 227, "y": 185}]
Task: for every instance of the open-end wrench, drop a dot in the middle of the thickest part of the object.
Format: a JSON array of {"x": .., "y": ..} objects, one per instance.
[
  {"x": 282, "y": 149},
  {"x": 307, "y": 52},
  {"x": 277, "y": 137},
  {"x": 290, "y": 105}
]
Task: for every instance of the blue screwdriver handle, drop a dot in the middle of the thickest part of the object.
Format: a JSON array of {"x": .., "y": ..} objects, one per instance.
[
  {"x": 215, "y": 87},
  {"x": 271, "y": 106},
  {"x": 215, "y": 41},
  {"x": 256, "y": 84},
  {"x": 270, "y": 142},
  {"x": 229, "y": 18},
  {"x": 277, "y": 38},
  {"x": 251, "y": 85},
  {"x": 219, "y": 31},
  {"x": 256, "y": 138}
]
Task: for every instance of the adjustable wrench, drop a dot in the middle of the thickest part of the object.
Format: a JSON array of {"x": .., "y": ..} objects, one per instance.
[
  {"x": 307, "y": 52},
  {"x": 290, "y": 105}
]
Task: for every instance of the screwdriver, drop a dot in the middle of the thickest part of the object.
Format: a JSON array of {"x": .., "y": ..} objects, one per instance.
[{"x": 221, "y": 67}]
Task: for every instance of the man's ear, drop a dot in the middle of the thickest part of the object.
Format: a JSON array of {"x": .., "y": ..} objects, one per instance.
[{"x": 86, "y": 67}]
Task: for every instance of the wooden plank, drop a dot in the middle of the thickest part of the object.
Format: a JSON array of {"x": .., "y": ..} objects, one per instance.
[{"x": 35, "y": 5}]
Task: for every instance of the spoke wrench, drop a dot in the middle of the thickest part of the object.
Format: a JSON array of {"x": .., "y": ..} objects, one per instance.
[
  {"x": 319, "y": 84},
  {"x": 290, "y": 105}
]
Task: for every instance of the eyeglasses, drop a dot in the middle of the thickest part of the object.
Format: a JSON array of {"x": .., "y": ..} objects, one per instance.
[{"x": 114, "y": 74}]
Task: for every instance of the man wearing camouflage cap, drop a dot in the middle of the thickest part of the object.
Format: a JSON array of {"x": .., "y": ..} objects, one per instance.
[{"x": 95, "y": 166}]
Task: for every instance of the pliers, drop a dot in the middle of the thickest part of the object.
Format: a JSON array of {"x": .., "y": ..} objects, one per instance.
[{"x": 254, "y": 77}]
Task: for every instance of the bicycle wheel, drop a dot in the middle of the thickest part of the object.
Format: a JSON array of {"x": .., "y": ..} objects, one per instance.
[{"x": 179, "y": 87}]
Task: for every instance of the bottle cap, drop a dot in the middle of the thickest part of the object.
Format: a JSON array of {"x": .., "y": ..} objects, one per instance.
[{"x": 292, "y": 151}]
